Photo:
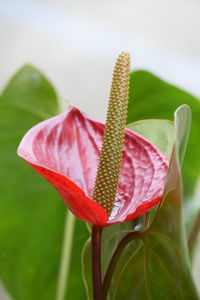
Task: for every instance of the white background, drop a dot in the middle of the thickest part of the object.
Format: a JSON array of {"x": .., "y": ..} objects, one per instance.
[{"x": 76, "y": 42}]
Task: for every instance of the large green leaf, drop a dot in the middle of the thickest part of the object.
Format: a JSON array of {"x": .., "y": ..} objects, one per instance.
[
  {"x": 155, "y": 265},
  {"x": 158, "y": 266},
  {"x": 151, "y": 97},
  {"x": 31, "y": 213}
]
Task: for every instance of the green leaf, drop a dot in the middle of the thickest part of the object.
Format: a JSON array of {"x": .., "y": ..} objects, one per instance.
[
  {"x": 32, "y": 215},
  {"x": 158, "y": 266},
  {"x": 151, "y": 97},
  {"x": 86, "y": 269},
  {"x": 155, "y": 265},
  {"x": 111, "y": 236},
  {"x": 159, "y": 132}
]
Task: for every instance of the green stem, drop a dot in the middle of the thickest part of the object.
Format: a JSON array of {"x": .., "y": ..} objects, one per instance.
[
  {"x": 194, "y": 234},
  {"x": 65, "y": 256},
  {"x": 116, "y": 255}
]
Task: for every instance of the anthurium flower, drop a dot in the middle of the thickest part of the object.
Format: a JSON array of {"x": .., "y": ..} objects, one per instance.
[{"x": 66, "y": 151}]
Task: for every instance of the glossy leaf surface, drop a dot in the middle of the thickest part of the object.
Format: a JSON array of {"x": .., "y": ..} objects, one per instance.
[{"x": 31, "y": 213}]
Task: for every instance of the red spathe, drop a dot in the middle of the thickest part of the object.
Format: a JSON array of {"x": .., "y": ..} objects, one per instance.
[{"x": 65, "y": 150}]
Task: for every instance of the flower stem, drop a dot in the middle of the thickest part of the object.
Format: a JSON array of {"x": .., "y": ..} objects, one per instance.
[
  {"x": 194, "y": 234},
  {"x": 96, "y": 263},
  {"x": 66, "y": 256},
  {"x": 116, "y": 255}
]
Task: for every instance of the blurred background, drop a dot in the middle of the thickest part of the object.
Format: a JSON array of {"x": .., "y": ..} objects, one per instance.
[{"x": 75, "y": 43}]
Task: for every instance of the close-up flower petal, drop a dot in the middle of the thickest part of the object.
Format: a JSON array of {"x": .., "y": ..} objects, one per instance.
[{"x": 65, "y": 150}]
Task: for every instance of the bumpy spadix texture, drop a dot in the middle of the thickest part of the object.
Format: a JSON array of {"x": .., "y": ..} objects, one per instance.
[
  {"x": 111, "y": 153},
  {"x": 66, "y": 149}
]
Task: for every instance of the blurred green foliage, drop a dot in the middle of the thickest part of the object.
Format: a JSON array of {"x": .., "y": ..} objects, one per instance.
[
  {"x": 150, "y": 97},
  {"x": 31, "y": 213}
]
